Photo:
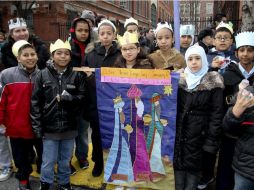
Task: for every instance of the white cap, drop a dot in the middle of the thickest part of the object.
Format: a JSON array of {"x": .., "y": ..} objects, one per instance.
[
  {"x": 244, "y": 39},
  {"x": 108, "y": 22},
  {"x": 188, "y": 30},
  {"x": 17, "y": 45},
  {"x": 130, "y": 20},
  {"x": 16, "y": 22},
  {"x": 162, "y": 25}
]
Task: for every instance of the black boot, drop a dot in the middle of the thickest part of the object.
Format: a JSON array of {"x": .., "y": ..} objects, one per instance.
[
  {"x": 64, "y": 187},
  {"x": 44, "y": 186},
  {"x": 97, "y": 170}
]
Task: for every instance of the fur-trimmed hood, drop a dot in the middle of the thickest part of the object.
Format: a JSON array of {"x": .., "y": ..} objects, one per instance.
[{"x": 210, "y": 81}]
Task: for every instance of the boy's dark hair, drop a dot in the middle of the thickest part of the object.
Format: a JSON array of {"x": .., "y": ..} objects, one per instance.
[
  {"x": 203, "y": 33},
  {"x": 218, "y": 17},
  {"x": 223, "y": 29},
  {"x": 24, "y": 47},
  {"x": 55, "y": 51}
]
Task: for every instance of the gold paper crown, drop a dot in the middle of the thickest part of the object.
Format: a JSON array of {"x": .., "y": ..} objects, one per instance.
[
  {"x": 128, "y": 38},
  {"x": 17, "y": 45},
  {"x": 117, "y": 99},
  {"x": 59, "y": 44},
  {"x": 225, "y": 25}
]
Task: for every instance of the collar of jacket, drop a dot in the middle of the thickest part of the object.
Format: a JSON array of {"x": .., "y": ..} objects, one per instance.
[
  {"x": 102, "y": 51},
  {"x": 52, "y": 69},
  {"x": 23, "y": 69}
]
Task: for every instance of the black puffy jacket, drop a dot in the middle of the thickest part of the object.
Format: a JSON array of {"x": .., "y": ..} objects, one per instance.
[
  {"x": 199, "y": 118},
  {"x": 9, "y": 60},
  {"x": 49, "y": 115},
  {"x": 243, "y": 161}
]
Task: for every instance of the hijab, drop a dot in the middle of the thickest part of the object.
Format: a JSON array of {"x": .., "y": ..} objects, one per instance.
[{"x": 193, "y": 79}]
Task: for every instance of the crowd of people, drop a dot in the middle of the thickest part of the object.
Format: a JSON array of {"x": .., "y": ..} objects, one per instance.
[{"x": 46, "y": 106}]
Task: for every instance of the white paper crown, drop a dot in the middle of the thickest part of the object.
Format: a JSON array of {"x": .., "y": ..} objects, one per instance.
[
  {"x": 225, "y": 25},
  {"x": 59, "y": 44},
  {"x": 17, "y": 45},
  {"x": 130, "y": 20},
  {"x": 105, "y": 21},
  {"x": 244, "y": 39},
  {"x": 16, "y": 22},
  {"x": 188, "y": 30},
  {"x": 163, "y": 25}
]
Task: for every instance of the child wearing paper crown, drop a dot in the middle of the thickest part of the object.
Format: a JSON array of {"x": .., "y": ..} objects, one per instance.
[
  {"x": 132, "y": 55},
  {"x": 166, "y": 57},
  {"x": 16, "y": 90},
  {"x": 199, "y": 117},
  {"x": 101, "y": 54},
  {"x": 56, "y": 99},
  {"x": 241, "y": 74}
]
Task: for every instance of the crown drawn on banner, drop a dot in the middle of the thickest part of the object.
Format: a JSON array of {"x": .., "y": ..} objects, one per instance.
[
  {"x": 118, "y": 99},
  {"x": 16, "y": 22},
  {"x": 225, "y": 25},
  {"x": 130, "y": 20},
  {"x": 128, "y": 38},
  {"x": 244, "y": 39},
  {"x": 59, "y": 44}
]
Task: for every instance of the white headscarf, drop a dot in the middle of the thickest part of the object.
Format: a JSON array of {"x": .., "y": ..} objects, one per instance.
[{"x": 193, "y": 79}]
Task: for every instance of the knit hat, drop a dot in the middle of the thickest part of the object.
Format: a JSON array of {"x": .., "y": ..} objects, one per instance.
[
  {"x": 86, "y": 14},
  {"x": 203, "y": 33}
]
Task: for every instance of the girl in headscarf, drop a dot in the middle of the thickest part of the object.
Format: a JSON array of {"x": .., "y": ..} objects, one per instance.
[{"x": 199, "y": 117}]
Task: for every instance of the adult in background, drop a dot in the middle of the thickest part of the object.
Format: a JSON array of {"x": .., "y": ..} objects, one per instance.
[{"x": 18, "y": 31}]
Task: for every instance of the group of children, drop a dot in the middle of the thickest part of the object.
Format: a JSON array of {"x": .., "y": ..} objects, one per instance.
[{"x": 56, "y": 103}]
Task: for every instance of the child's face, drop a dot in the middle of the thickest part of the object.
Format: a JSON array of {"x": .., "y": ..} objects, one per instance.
[
  {"x": 106, "y": 35},
  {"x": 61, "y": 58},
  {"x": 194, "y": 63},
  {"x": 222, "y": 41},
  {"x": 28, "y": 58},
  {"x": 130, "y": 52},
  {"x": 164, "y": 39},
  {"x": 20, "y": 33},
  {"x": 185, "y": 41},
  {"x": 246, "y": 55},
  {"x": 208, "y": 40},
  {"x": 82, "y": 31}
]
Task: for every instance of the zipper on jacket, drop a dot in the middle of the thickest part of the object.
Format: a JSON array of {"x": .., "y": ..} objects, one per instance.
[{"x": 60, "y": 92}]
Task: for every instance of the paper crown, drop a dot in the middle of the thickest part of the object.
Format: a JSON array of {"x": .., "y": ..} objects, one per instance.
[
  {"x": 117, "y": 99},
  {"x": 163, "y": 25},
  {"x": 225, "y": 25},
  {"x": 107, "y": 22},
  {"x": 244, "y": 39},
  {"x": 188, "y": 30},
  {"x": 128, "y": 38},
  {"x": 17, "y": 45},
  {"x": 59, "y": 44},
  {"x": 130, "y": 20},
  {"x": 16, "y": 22}
]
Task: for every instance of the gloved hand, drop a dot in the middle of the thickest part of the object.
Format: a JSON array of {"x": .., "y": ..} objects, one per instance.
[
  {"x": 2, "y": 129},
  {"x": 66, "y": 96}
]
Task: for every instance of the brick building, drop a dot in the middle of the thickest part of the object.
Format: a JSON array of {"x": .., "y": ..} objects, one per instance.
[{"x": 51, "y": 19}]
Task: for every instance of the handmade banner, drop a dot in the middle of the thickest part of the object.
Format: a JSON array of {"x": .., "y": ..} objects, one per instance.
[{"x": 137, "y": 112}]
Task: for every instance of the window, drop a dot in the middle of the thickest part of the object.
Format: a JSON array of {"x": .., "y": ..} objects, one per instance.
[
  {"x": 209, "y": 8},
  {"x": 153, "y": 15},
  {"x": 123, "y": 4}
]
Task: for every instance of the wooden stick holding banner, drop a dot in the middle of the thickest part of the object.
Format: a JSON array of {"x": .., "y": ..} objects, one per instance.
[{"x": 84, "y": 69}]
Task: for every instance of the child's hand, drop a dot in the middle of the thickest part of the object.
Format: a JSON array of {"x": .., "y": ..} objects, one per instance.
[
  {"x": 88, "y": 73},
  {"x": 217, "y": 62},
  {"x": 245, "y": 99},
  {"x": 58, "y": 98},
  {"x": 2, "y": 129},
  {"x": 243, "y": 84}
]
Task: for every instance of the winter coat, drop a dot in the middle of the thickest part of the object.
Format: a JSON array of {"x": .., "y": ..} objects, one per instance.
[
  {"x": 16, "y": 86},
  {"x": 199, "y": 118},
  {"x": 96, "y": 57},
  {"x": 232, "y": 78},
  {"x": 243, "y": 160},
  {"x": 9, "y": 60},
  {"x": 142, "y": 64},
  {"x": 47, "y": 114},
  {"x": 175, "y": 61}
]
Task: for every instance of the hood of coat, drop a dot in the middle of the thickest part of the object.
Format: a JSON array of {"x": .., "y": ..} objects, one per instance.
[
  {"x": 72, "y": 30},
  {"x": 211, "y": 80}
]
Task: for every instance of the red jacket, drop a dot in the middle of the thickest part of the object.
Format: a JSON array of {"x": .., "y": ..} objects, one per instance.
[{"x": 16, "y": 86}]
